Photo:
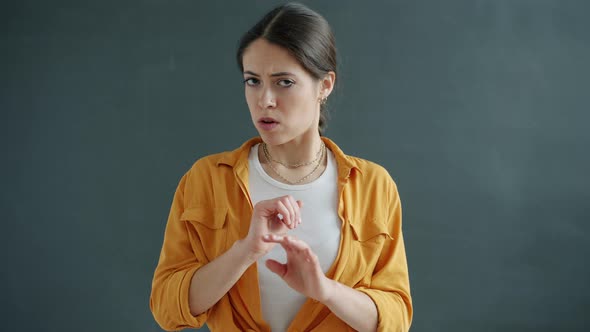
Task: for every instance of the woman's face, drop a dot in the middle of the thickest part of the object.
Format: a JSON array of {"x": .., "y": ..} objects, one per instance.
[{"x": 281, "y": 95}]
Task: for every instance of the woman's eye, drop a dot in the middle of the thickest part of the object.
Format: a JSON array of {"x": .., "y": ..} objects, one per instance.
[
  {"x": 286, "y": 83},
  {"x": 251, "y": 81}
]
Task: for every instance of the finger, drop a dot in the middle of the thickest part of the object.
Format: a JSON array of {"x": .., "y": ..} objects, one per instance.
[
  {"x": 310, "y": 256},
  {"x": 302, "y": 252},
  {"x": 294, "y": 246},
  {"x": 271, "y": 238},
  {"x": 288, "y": 242},
  {"x": 285, "y": 213},
  {"x": 282, "y": 240},
  {"x": 300, "y": 204},
  {"x": 276, "y": 267},
  {"x": 299, "y": 250},
  {"x": 297, "y": 213},
  {"x": 287, "y": 201},
  {"x": 295, "y": 243}
]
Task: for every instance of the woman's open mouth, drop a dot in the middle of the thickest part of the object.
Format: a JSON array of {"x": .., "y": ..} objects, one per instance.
[{"x": 267, "y": 123}]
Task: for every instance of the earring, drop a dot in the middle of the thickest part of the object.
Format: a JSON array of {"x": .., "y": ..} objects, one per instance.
[{"x": 323, "y": 100}]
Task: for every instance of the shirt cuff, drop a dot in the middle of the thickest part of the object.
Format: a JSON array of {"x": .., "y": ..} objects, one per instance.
[
  {"x": 391, "y": 310},
  {"x": 183, "y": 301}
]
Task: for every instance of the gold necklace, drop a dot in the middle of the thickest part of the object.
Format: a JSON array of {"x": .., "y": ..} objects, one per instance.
[
  {"x": 268, "y": 159},
  {"x": 318, "y": 155}
]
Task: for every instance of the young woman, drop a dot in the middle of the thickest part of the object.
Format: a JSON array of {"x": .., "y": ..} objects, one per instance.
[{"x": 285, "y": 233}]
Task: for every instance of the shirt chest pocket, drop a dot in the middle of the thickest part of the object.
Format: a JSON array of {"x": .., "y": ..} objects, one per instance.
[
  {"x": 368, "y": 235},
  {"x": 207, "y": 228}
]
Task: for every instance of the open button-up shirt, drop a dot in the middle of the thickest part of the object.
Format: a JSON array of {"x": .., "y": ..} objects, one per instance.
[{"x": 211, "y": 210}]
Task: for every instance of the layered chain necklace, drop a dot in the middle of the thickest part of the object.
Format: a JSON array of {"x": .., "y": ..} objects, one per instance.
[{"x": 318, "y": 159}]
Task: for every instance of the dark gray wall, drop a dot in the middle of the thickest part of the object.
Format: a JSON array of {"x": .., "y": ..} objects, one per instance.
[{"x": 479, "y": 110}]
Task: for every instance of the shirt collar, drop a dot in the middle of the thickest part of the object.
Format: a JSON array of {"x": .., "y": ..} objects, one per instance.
[{"x": 238, "y": 158}]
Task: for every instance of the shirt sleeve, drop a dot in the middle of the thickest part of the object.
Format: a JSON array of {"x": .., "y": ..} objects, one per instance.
[
  {"x": 390, "y": 286},
  {"x": 169, "y": 299}
]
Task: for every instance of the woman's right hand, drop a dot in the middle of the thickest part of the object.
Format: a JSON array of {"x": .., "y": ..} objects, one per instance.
[{"x": 273, "y": 216}]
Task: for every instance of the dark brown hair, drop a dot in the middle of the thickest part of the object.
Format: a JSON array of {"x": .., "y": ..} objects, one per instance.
[{"x": 304, "y": 33}]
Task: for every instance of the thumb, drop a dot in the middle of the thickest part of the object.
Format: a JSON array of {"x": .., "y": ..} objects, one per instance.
[
  {"x": 300, "y": 203},
  {"x": 276, "y": 267}
]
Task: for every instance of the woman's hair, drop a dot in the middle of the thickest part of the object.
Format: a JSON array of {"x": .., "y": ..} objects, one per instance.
[{"x": 305, "y": 34}]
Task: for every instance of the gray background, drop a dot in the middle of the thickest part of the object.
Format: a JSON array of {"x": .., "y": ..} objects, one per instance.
[{"x": 479, "y": 110}]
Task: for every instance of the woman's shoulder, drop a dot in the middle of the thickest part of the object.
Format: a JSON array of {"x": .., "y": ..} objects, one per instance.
[
  {"x": 365, "y": 166},
  {"x": 368, "y": 166},
  {"x": 370, "y": 169},
  {"x": 211, "y": 162}
]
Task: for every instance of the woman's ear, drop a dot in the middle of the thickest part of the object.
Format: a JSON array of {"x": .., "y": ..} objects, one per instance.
[{"x": 327, "y": 84}]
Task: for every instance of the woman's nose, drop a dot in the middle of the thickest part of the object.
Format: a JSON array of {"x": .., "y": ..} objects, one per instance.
[{"x": 267, "y": 99}]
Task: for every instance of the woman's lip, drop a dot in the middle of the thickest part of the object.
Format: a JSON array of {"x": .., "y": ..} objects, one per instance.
[
  {"x": 268, "y": 126},
  {"x": 267, "y": 119}
]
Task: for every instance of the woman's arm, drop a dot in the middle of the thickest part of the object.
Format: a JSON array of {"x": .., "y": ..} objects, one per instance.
[
  {"x": 354, "y": 307},
  {"x": 212, "y": 281}
]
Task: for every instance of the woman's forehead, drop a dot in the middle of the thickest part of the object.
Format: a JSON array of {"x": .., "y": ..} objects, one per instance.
[{"x": 264, "y": 58}]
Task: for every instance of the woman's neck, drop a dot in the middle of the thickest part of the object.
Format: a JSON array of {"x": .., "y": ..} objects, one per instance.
[
  {"x": 297, "y": 151},
  {"x": 304, "y": 166}
]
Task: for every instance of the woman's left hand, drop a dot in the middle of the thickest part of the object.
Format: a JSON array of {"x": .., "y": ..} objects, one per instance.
[{"x": 302, "y": 271}]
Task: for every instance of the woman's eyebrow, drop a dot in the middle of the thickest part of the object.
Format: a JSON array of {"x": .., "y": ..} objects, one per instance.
[{"x": 282, "y": 73}]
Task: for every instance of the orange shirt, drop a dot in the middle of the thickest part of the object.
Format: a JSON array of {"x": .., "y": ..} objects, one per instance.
[{"x": 211, "y": 210}]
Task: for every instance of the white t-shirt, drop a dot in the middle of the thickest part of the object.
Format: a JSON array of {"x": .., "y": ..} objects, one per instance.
[{"x": 320, "y": 229}]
